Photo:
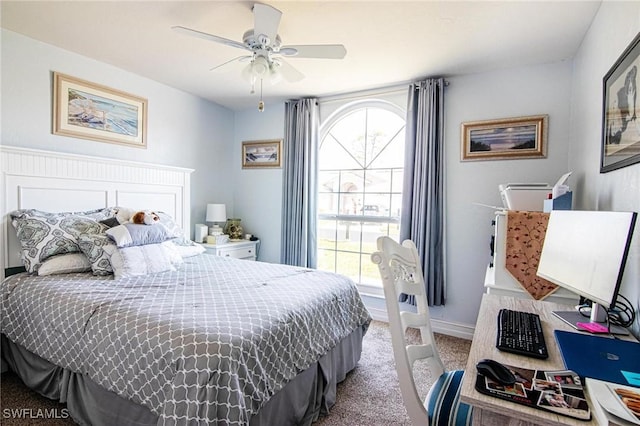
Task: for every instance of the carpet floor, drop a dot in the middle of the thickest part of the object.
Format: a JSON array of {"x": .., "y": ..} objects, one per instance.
[{"x": 369, "y": 396}]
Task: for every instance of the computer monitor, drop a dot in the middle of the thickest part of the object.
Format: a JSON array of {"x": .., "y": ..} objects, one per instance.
[{"x": 585, "y": 252}]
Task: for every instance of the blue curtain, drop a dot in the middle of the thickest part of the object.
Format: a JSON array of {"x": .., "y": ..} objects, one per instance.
[
  {"x": 423, "y": 218},
  {"x": 300, "y": 176}
]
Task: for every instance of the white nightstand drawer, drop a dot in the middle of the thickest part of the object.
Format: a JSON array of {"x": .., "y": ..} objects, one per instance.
[
  {"x": 239, "y": 253},
  {"x": 247, "y": 250}
]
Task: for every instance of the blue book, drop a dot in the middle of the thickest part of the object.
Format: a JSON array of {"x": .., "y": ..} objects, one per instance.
[{"x": 603, "y": 358}]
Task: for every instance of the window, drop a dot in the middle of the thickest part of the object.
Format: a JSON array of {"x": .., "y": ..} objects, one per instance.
[{"x": 361, "y": 159}]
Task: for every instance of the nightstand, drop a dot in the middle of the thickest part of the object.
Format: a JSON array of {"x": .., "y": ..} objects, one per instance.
[{"x": 247, "y": 250}]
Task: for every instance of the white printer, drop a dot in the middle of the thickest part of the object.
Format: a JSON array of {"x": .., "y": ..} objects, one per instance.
[
  {"x": 528, "y": 196},
  {"x": 524, "y": 196}
]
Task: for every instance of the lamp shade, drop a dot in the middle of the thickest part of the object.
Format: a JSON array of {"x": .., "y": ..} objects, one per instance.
[{"x": 216, "y": 213}]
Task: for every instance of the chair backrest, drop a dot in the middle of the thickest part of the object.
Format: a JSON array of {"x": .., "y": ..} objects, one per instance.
[{"x": 401, "y": 272}]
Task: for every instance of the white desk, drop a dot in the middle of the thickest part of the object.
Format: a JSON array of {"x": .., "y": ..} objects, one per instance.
[{"x": 492, "y": 411}]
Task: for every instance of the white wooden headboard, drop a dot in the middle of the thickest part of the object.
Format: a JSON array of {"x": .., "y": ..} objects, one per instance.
[{"x": 55, "y": 182}]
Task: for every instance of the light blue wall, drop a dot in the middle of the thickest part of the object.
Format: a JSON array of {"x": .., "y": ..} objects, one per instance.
[
  {"x": 614, "y": 27},
  {"x": 257, "y": 193},
  {"x": 535, "y": 90},
  {"x": 183, "y": 130}
]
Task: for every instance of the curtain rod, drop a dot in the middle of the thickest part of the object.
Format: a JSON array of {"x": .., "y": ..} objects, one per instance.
[
  {"x": 446, "y": 82},
  {"x": 363, "y": 94},
  {"x": 396, "y": 88}
]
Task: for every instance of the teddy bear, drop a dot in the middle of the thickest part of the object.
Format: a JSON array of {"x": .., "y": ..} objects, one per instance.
[
  {"x": 123, "y": 214},
  {"x": 145, "y": 217}
]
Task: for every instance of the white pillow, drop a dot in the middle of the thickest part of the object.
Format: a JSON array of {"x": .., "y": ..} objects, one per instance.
[
  {"x": 187, "y": 250},
  {"x": 139, "y": 260},
  {"x": 174, "y": 252},
  {"x": 65, "y": 264}
]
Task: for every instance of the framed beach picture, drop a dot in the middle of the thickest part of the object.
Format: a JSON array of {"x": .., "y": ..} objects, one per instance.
[
  {"x": 621, "y": 115},
  {"x": 260, "y": 154},
  {"x": 507, "y": 138},
  {"x": 87, "y": 110}
]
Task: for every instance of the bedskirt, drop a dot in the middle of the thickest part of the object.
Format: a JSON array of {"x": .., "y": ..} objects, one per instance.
[{"x": 309, "y": 395}]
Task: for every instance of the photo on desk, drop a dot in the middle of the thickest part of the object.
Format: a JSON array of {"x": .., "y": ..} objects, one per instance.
[
  {"x": 558, "y": 391},
  {"x": 523, "y": 376},
  {"x": 516, "y": 389},
  {"x": 568, "y": 379},
  {"x": 546, "y": 386},
  {"x": 563, "y": 403}
]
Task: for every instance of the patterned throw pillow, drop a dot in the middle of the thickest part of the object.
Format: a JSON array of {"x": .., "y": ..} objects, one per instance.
[
  {"x": 43, "y": 235},
  {"x": 93, "y": 246}
]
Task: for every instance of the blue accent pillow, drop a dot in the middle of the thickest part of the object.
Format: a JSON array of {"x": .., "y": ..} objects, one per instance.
[{"x": 132, "y": 234}]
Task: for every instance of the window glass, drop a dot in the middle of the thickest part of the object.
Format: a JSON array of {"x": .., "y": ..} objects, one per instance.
[{"x": 361, "y": 161}]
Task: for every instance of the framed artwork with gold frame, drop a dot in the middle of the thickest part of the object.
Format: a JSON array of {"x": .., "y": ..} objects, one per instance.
[
  {"x": 262, "y": 154},
  {"x": 506, "y": 138}
]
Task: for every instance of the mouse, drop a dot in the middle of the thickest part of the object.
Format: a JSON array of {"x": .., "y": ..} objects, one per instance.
[{"x": 495, "y": 371}]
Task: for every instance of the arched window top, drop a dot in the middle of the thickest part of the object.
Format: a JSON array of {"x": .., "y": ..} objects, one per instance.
[
  {"x": 363, "y": 135},
  {"x": 357, "y": 105}
]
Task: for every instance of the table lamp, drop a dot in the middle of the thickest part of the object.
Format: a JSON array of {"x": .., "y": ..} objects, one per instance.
[{"x": 216, "y": 213}]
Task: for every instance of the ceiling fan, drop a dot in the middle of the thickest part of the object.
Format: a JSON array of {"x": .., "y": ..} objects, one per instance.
[{"x": 266, "y": 50}]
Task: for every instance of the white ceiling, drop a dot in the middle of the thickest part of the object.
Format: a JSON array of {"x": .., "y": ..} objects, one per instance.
[{"x": 387, "y": 42}]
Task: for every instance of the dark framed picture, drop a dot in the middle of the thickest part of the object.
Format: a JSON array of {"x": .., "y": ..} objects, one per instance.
[
  {"x": 261, "y": 154},
  {"x": 620, "y": 120},
  {"x": 517, "y": 137},
  {"x": 86, "y": 110}
]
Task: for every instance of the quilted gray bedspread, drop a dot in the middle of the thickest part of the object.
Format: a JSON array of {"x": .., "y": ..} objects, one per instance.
[{"x": 209, "y": 343}]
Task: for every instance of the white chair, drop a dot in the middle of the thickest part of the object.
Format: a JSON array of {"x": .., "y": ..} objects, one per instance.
[{"x": 401, "y": 272}]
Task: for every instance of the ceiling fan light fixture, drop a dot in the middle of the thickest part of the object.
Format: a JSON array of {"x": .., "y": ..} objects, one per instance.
[
  {"x": 260, "y": 66},
  {"x": 275, "y": 76},
  {"x": 248, "y": 75}
]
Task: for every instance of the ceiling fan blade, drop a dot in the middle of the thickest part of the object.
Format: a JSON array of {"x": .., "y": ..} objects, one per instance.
[
  {"x": 266, "y": 20},
  {"x": 288, "y": 72},
  {"x": 323, "y": 51},
  {"x": 210, "y": 37},
  {"x": 237, "y": 58}
]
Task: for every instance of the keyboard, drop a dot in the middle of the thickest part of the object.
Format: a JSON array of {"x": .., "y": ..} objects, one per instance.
[{"x": 521, "y": 333}]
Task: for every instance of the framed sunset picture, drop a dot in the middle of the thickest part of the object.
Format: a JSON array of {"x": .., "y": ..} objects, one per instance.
[{"x": 507, "y": 138}]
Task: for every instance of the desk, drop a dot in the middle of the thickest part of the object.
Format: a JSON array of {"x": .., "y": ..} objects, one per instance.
[{"x": 493, "y": 411}]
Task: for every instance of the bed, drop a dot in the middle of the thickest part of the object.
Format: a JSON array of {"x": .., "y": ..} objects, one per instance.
[{"x": 208, "y": 340}]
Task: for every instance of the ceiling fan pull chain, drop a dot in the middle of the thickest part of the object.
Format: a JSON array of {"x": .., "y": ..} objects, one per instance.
[{"x": 261, "y": 103}]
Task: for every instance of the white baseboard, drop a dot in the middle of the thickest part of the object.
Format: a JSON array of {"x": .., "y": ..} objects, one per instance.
[{"x": 462, "y": 331}]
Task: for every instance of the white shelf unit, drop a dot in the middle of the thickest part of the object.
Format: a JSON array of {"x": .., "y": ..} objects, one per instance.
[{"x": 499, "y": 281}]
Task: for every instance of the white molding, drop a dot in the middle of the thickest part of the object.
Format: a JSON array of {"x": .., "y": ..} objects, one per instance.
[
  {"x": 25, "y": 170},
  {"x": 463, "y": 331},
  {"x": 35, "y": 162}
]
